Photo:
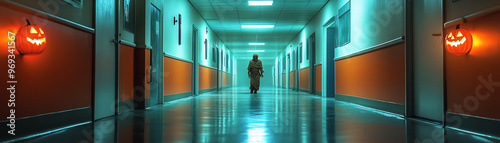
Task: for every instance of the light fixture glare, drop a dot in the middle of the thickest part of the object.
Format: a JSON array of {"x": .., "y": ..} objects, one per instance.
[
  {"x": 256, "y": 51},
  {"x": 256, "y": 44},
  {"x": 257, "y": 26},
  {"x": 255, "y": 3}
]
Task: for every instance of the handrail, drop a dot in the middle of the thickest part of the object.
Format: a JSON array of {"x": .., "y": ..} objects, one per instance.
[
  {"x": 54, "y": 18},
  {"x": 177, "y": 58},
  {"x": 373, "y": 48},
  {"x": 471, "y": 17},
  {"x": 124, "y": 42},
  {"x": 144, "y": 46},
  {"x": 214, "y": 68}
]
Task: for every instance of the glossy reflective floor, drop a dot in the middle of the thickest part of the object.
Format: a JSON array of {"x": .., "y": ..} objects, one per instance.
[{"x": 273, "y": 115}]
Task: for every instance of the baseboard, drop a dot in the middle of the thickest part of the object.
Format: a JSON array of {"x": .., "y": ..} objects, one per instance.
[
  {"x": 30, "y": 126},
  {"x": 125, "y": 106},
  {"x": 318, "y": 93},
  {"x": 476, "y": 124},
  {"x": 172, "y": 97},
  {"x": 148, "y": 103},
  {"x": 304, "y": 90},
  {"x": 381, "y": 105},
  {"x": 207, "y": 90}
]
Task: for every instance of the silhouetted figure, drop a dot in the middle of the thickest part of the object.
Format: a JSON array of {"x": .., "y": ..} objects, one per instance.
[{"x": 255, "y": 72}]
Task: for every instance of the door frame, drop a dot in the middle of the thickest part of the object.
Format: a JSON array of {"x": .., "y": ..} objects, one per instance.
[{"x": 194, "y": 46}]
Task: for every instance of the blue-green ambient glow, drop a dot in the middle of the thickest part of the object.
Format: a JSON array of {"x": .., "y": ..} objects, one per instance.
[
  {"x": 254, "y": 3},
  {"x": 48, "y": 132}
]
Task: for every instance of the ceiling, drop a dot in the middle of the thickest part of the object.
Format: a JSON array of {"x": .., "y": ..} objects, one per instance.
[{"x": 225, "y": 17}]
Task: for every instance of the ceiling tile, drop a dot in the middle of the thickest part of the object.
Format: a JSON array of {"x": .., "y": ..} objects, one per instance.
[{"x": 225, "y": 17}]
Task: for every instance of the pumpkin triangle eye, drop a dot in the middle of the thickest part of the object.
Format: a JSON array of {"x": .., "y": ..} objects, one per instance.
[
  {"x": 33, "y": 31},
  {"x": 460, "y": 34},
  {"x": 450, "y": 35},
  {"x": 41, "y": 31}
]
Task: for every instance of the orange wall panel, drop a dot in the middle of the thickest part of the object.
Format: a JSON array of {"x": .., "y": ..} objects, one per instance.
[
  {"x": 304, "y": 78},
  {"x": 471, "y": 76},
  {"x": 58, "y": 79},
  {"x": 219, "y": 78},
  {"x": 225, "y": 79},
  {"x": 292, "y": 79},
  {"x": 318, "y": 77},
  {"x": 377, "y": 75},
  {"x": 126, "y": 73},
  {"x": 207, "y": 78},
  {"x": 177, "y": 77},
  {"x": 148, "y": 72}
]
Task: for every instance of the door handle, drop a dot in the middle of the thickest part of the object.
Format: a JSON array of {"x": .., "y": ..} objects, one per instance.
[{"x": 114, "y": 41}]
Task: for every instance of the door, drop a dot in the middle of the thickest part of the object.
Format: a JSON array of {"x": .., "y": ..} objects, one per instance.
[
  {"x": 218, "y": 67},
  {"x": 428, "y": 60},
  {"x": 105, "y": 78},
  {"x": 329, "y": 75},
  {"x": 311, "y": 56},
  {"x": 156, "y": 56},
  {"x": 299, "y": 61},
  {"x": 288, "y": 70},
  {"x": 296, "y": 69},
  {"x": 195, "y": 60}
]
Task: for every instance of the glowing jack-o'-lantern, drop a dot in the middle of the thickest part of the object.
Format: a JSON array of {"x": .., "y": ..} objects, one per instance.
[
  {"x": 458, "y": 42},
  {"x": 30, "y": 39}
]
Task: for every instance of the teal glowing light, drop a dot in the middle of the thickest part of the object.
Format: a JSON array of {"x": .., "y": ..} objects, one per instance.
[
  {"x": 258, "y": 3},
  {"x": 47, "y": 132},
  {"x": 256, "y": 51},
  {"x": 257, "y": 44},
  {"x": 257, "y": 26}
]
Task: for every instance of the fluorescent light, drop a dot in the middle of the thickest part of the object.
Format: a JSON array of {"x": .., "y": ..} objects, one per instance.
[
  {"x": 260, "y": 3},
  {"x": 257, "y": 26},
  {"x": 256, "y": 43},
  {"x": 256, "y": 51}
]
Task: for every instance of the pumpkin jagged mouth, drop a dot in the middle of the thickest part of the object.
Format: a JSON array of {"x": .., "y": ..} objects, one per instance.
[
  {"x": 452, "y": 43},
  {"x": 35, "y": 41}
]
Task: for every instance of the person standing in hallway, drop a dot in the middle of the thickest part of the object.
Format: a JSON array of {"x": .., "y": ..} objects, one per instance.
[{"x": 254, "y": 73}]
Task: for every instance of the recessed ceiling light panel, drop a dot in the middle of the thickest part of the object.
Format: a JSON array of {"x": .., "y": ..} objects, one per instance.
[
  {"x": 257, "y": 26},
  {"x": 256, "y": 51},
  {"x": 256, "y": 44},
  {"x": 258, "y": 3}
]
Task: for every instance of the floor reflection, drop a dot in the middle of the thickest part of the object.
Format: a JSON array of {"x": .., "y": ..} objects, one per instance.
[{"x": 272, "y": 115}]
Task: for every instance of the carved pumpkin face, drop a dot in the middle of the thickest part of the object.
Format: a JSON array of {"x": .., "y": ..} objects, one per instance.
[
  {"x": 31, "y": 39},
  {"x": 458, "y": 42}
]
